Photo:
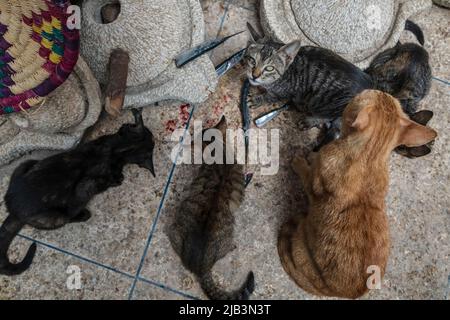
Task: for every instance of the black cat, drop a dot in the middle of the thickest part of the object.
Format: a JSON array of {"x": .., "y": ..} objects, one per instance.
[{"x": 50, "y": 193}]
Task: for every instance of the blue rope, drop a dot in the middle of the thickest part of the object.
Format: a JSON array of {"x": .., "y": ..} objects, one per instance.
[
  {"x": 161, "y": 204},
  {"x": 103, "y": 266},
  {"x": 98, "y": 264},
  {"x": 168, "y": 288},
  {"x": 443, "y": 81}
]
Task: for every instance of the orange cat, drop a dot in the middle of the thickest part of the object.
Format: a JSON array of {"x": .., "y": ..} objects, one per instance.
[{"x": 328, "y": 251}]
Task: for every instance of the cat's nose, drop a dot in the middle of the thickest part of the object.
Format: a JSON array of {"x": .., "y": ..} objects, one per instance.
[{"x": 256, "y": 74}]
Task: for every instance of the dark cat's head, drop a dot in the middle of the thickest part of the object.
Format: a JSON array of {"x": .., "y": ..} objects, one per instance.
[
  {"x": 136, "y": 143},
  {"x": 266, "y": 60}
]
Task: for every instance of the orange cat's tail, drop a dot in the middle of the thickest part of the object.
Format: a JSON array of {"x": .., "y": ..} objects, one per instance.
[{"x": 296, "y": 259}]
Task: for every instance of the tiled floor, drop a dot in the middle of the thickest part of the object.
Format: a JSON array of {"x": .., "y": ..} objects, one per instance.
[{"x": 123, "y": 252}]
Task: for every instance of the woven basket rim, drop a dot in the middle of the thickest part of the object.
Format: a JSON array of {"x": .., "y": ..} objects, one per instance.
[{"x": 38, "y": 51}]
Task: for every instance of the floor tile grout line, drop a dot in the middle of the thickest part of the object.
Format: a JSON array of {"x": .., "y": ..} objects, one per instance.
[
  {"x": 68, "y": 253},
  {"x": 441, "y": 80},
  {"x": 106, "y": 267},
  {"x": 158, "y": 213},
  {"x": 166, "y": 288}
]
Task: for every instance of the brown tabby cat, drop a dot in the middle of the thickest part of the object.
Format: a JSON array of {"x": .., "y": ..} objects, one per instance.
[
  {"x": 328, "y": 251},
  {"x": 320, "y": 83},
  {"x": 202, "y": 232}
]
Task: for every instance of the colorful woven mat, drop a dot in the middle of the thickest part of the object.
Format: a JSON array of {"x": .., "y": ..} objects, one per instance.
[{"x": 37, "y": 51}]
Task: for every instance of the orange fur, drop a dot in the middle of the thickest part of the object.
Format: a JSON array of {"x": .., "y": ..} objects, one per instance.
[{"x": 327, "y": 252}]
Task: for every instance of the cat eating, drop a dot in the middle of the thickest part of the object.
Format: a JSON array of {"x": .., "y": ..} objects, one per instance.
[
  {"x": 345, "y": 233},
  {"x": 320, "y": 83},
  {"x": 53, "y": 192},
  {"x": 316, "y": 81},
  {"x": 202, "y": 231}
]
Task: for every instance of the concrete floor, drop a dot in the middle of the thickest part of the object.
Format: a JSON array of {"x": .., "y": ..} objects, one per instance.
[{"x": 123, "y": 251}]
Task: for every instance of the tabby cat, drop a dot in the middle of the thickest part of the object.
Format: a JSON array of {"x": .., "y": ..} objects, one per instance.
[
  {"x": 202, "y": 232},
  {"x": 320, "y": 83},
  {"x": 404, "y": 72}
]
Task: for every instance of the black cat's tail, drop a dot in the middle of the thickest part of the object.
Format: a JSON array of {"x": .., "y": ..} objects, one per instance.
[
  {"x": 416, "y": 30},
  {"x": 8, "y": 231},
  {"x": 214, "y": 292}
]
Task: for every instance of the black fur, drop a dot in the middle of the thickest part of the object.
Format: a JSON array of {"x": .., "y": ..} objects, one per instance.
[
  {"x": 416, "y": 30},
  {"x": 50, "y": 193},
  {"x": 422, "y": 117},
  {"x": 404, "y": 72}
]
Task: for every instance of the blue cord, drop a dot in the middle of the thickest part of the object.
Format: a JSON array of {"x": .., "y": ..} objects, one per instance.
[{"x": 161, "y": 204}]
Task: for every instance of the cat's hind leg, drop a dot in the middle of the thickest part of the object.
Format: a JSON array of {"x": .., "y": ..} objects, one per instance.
[
  {"x": 303, "y": 170},
  {"x": 296, "y": 257},
  {"x": 51, "y": 219}
]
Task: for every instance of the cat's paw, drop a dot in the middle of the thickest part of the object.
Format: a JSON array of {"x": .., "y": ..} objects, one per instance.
[
  {"x": 305, "y": 124},
  {"x": 308, "y": 122},
  {"x": 255, "y": 100}
]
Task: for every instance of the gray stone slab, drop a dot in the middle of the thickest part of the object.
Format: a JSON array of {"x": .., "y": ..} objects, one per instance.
[
  {"x": 153, "y": 35},
  {"x": 357, "y": 30},
  {"x": 236, "y": 19},
  {"x": 444, "y": 3}
]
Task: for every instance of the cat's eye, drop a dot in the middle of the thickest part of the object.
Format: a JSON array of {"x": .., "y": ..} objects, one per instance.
[
  {"x": 251, "y": 61},
  {"x": 270, "y": 69}
]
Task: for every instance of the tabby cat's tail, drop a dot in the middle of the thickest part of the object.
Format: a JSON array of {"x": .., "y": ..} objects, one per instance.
[
  {"x": 8, "y": 231},
  {"x": 214, "y": 292},
  {"x": 416, "y": 30}
]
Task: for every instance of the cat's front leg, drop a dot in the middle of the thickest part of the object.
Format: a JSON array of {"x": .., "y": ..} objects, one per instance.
[
  {"x": 308, "y": 122},
  {"x": 304, "y": 171},
  {"x": 255, "y": 100}
]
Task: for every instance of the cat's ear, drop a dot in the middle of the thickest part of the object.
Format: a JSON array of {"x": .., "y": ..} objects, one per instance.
[
  {"x": 255, "y": 36},
  {"x": 222, "y": 123},
  {"x": 362, "y": 119},
  {"x": 222, "y": 126},
  {"x": 414, "y": 134},
  {"x": 422, "y": 117},
  {"x": 148, "y": 164},
  {"x": 137, "y": 113},
  {"x": 288, "y": 52}
]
